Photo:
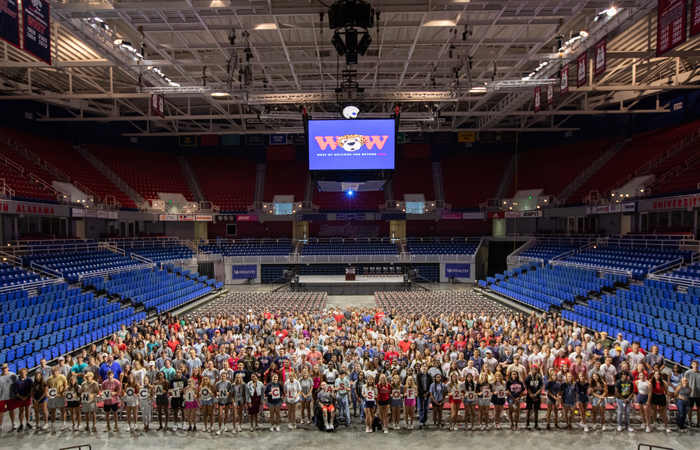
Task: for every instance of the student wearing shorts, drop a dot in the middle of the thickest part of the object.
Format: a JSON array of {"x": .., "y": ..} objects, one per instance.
[
  {"x": 146, "y": 403},
  {"x": 88, "y": 397},
  {"x": 292, "y": 391},
  {"x": 177, "y": 401},
  {"x": 57, "y": 384},
  {"x": 582, "y": 398},
  {"x": 7, "y": 397},
  {"x": 369, "y": 393},
  {"x": 111, "y": 391},
  {"x": 206, "y": 399},
  {"x": 189, "y": 396},
  {"x": 533, "y": 400},
  {"x": 161, "y": 388},
  {"x": 396, "y": 401},
  {"x": 410, "y": 392},
  {"x": 223, "y": 402}
]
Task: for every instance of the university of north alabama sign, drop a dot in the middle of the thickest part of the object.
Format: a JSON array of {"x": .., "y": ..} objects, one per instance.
[{"x": 27, "y": 208}]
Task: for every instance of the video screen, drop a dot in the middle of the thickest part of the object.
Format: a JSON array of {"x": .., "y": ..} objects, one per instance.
[{"x": 351, "y": 144}]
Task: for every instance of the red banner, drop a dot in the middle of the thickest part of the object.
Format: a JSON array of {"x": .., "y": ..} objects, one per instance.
[
  {"x": 695, "y": 19},
  {"x": 209, "y": 139},
  {"x": 37, "y": 29},
  {"x": 670, "y": 25},
  {"x": 550, "y": 94},
  {"x": 158, "y": 105},
  {"x": 600, "y": 56},
  {"x": 538, "y": 99},
  {"x": 581, "y": 70},
  {"x": 564, "y": 88}
]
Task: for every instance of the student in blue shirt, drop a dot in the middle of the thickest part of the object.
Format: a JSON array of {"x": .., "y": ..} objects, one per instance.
[{"x": 553, "y": 389}]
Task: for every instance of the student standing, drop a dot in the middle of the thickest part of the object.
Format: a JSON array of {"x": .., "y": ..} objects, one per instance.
[
  {"x": 256, "y": 390},
  {"x": 274, "y": 392},
  {"x": 624, "y": 393},
  {"x": 223, "y": 402},
  {"x": 161, "y": 388},
  {"x": 40, "y": 399},
  {"x": 146, "y": 403},
  {"x": 369, "y": 393},
  {"x": 111, "y": 391},
  {"x": 533, "y": 401},
  {"x": 292, "y": 392},
  {"x": 88, "y": 397},
  {"x": 515, "y": 391}
]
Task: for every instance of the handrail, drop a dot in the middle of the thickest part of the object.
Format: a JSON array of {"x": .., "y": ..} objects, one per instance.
[
  {"x": 109, "y": 272},
  {"x": 591, "y": 267},
  {"x": 45, "y": 270},
  {"x": 28, "y": 153},
  {"x": 11, "y": 258},
  {"x": 32, "y": 285},
  {"x": 41, "y": 182},
  {"x": 111, "y": 200},
  {"x": 141, "y": 258},
  {"x": 116, "y": 179},
  {"x": 9, "y": 162},
  {"x": 84, "y": 188},
  {"x": 668, "y": 265},
  {"x": 57, "y": 171},
  {"x": 6, "y": 189}
]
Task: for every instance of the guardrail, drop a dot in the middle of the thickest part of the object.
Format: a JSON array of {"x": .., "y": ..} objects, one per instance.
[
  {"x": 62, "y": 247},
  {"x": 45, "y": 270},
  {"x": 439, "y": 258},
  {"x": 668, "y": 265},
  {"x": 209, "y": 257},
  {"x": 32, "y": 285},
  {"x": 6, "y": 189},
  {"x": 675, "y": 280},
  {"x": 262, "y": 258},
  {"x": 350, "y": 258},
  {"x": 142, "y": 259},
  {"x": 109, "y": 272},
  {"x": 8, "y": 162},
  {"x": 57, "y": 171},
  {"x": 591, "y": 267}
]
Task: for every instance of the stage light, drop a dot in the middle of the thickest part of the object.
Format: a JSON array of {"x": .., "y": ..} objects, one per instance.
[
  {"x": 351, "y": 112},
  {"x": 583, "y": 33},
  {"x": 118, "y": 42},
  {"x": 219, "y": 94},
  {"x": 350, "y": 193},
  {"x": 611, "y": 11}
]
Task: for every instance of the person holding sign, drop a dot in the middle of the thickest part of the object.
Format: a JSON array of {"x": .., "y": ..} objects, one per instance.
[
  {"x": 438, "y": 392},
  {"x": 88, "y": 397},
  {"x": 131, "y": 401},
  {"x": 73, "y": 401},
  {"x": 553, "y": 389},
  {"x": 326, "y": 402},
  {"x": 292, "y": 390},
  {"x": 343, "y": 389},
  {"x": 206, "y": 396},
  {"x": 515, "y": 392},
  {"x": 484, "y": 400},
  {"x": 223, "y": 402},
  {"x": 256, "y": 390},
  {"x": 456, "y": 392},
  {"x": 369, "y": 393},
  {"x": 498, "y": 399},
  {"x": 533, "y": 386},
  {"x": 189, "y": 395},
  {"x": 111, "y": 391},
  {"x": 240, "y": 395},
  {"x": 40, "y": 398},
  {"x": 146, "y": 403},
  {"x": 470, "y": 396},
  {"x": 177, "y": 403},
  {"x": 396, "y": 401},
  {"x": 160, "y": 389},
  {"x": 410, "y": 392},
  {"x": 274, "y": 392},
  {"x": 57, "y": 384}
]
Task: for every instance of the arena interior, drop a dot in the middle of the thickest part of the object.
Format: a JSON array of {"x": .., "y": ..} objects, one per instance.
[{"x": 367, "y": 188}]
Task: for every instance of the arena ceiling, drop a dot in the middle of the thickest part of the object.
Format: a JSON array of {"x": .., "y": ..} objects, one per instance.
[{"x": 418, "y": 46}]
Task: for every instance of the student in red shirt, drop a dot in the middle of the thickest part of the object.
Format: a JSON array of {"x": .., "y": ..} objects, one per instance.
[
  {"x": 391, "y": 355},
  {"x": 383, "y": 398},
  {"x": 379, "y": 317}
]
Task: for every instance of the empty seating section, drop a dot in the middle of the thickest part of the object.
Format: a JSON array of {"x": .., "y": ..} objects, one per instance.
[
  {"x": 641, "y": 149},
  {"x": 687, "y": 178},
  {"x": 240, "y": 303},
  {"x": 349, "y": 248},
  {"x": 459, "y": 173},
  {"x": 286, "y": 178},
  {"x": 553, "y": 168},
  {"x": 653, "y": 314},
  {"x": 691, "y": 272},
  {"x": 272, "y": 249},
  {"x": 226, "y": 181},
  {"x": 161, "y": 254},
  {"x": 14, "y": 276},
  {"x": 25, "y": 188},
  {"x": 72, "y": 265},
  {"x": 341, "y": 201},
  {"x": 63, "y": 156},
  {"x": 546, "y": 252},
  {"x": 413, "y": 176},
  {"x": 147, "y": 171},
  {"x": 638, "y": 260},
  {"x": 435, "y": 303},
  {"x": 442, "y": 248},
  {"x": 55, "y": 322}
]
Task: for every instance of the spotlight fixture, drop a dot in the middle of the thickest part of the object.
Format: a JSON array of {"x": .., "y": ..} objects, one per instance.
[
  {"x": 351, "y": 112},
  {"x": 583, "y": 33},
  {"x": 611, "y": 11}
]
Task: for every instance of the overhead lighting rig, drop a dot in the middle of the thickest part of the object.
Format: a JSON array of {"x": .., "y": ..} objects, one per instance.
[{"x": 351, "y": 19}]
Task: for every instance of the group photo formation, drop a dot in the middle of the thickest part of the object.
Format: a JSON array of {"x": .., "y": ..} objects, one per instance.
[{"x": 348, "y": 223}]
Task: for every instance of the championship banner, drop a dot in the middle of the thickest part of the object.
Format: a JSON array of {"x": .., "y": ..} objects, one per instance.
[
  {"x": 37, "y": 29},
  {"x": 157, "y": 104},
  {"x": 278, "y": 139},
  {"x": 9, "y": 22},
  {"x": 468, "y": 136},
  {"x": 600, "y": 56},
  {"x": 209, "y": 139},
  {"x": 550, "y": 94},
  {"x": 670, "y": 25},
  {"x": 695, "y": 18},
  {"x": 581, "y": 70},
  {"x": 538, "y": 100},
  {"x": 564, "y": 88}
]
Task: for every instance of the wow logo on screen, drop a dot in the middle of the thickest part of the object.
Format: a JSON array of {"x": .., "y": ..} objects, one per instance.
[{"x": 351, "y": 144}]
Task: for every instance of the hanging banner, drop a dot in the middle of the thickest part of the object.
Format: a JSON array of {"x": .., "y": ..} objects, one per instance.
[
  {"x": 670, "y": 25},
  {"x": 581, "y": 70},
  {"x": 37, "y": 29},
  {"x": 538, "y": 95},
  {"x": 9, "y": 22},
  {"x": 209, "y": 139},
  {"x": 297, "y": 139},
  {"x": 473, "y": 215},
  {"x": 695, "y": 18},
  {"x": 550, "y": 94},
  {"x": 189, "y": 140},
  {"x": 600, "y": 56},
  {"x": 231, "y": 139},
  {"x": 253, "y": 139},
  {"x": 468, "y": 136},
  {"x": 564, "y": 87},
  {"x": 442, "y": 137},
  {"x": 278, "y": 139},
  {"x": 157, "y": 104}
]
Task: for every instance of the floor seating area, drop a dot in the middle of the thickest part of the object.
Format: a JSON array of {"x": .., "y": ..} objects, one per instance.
[
  {"x": 149, "y": 172},
  {"x": 641, "y": 149},
  {"x": 435, "y": 303},
  {"x": 460, "y": 171},
  {"x": 73, "y": 264},
  {"x": 413, "y": 176},
  {"x": 56, "y": 321},
  {"x": 240, "y": 303},
  {"x": 546, "y": 252},
  {"x": 553, "y": 168},
  {"x": 286, "y": 178},
  {"x": 272, "y": 249},
  {"x": 638, "y": 260},
  {"x": 348, "y": 248},
  {"x": 226, "y": 181},
  {"x": 442, "y": 248},
  {"x": 63, "y": 156},
  {"x": 341, "y": 201},
  {"x": 161, "y": 254}
]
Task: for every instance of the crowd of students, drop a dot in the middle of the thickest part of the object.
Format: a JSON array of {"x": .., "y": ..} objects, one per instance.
[{"x": 332, "y": 366}]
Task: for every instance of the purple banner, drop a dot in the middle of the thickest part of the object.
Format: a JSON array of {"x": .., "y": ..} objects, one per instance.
[
  {"x": 9, "y": 22},
  {"x": 451, "y": 216},
  {"x": 37, "y": 29}
]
